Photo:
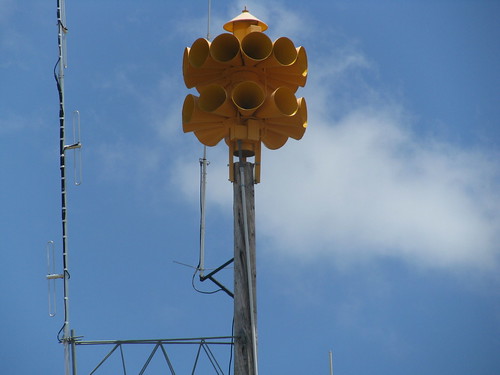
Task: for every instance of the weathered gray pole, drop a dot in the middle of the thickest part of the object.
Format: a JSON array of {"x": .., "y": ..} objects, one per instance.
[{"x": 245, "y": 301}]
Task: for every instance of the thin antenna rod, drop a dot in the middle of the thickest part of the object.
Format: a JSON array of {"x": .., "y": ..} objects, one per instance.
[
  {"x": 331, "y": 362},
  {"x": 209, "y": 16}
]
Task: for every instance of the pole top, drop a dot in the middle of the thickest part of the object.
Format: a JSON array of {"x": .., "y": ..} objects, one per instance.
[{"x": 244, "y": 20}]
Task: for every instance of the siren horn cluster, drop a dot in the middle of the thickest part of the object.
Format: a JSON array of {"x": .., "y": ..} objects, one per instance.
[{"x": 246, "y": 85}]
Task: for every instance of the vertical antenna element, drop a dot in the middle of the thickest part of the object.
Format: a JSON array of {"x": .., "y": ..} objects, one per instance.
[
  {"x": 331, "y": 362},
  {"x": 77, "y": 149},
  {"x": 51, "y": 278}
]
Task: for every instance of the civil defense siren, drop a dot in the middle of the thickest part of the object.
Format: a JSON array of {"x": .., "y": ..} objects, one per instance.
[{"x": 246, "y": 85}]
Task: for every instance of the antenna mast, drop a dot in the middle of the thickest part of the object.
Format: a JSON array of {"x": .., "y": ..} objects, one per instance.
[
  {"x": 61, "y": 38},
  {"x": 67, "y": 335}
]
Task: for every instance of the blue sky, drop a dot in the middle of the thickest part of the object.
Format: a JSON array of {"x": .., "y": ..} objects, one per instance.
[{"x": 377, "y": 234}]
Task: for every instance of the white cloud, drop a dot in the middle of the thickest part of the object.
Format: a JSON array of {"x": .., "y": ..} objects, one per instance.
[
  {"x": 366, "y": 187},
  {"x": 361, "y": 184}
]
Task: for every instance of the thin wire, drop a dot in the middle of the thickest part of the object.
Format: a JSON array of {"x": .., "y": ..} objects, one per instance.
[
  {"x": 59, "y": 333},
  {"x": 199, "y": 290}
]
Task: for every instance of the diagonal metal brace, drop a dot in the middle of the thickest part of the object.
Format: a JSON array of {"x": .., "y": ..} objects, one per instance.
[{"x": 215, "y": 281}]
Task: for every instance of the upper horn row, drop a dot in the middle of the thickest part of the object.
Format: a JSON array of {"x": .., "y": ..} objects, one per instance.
[{"x": 255, "y": 49}]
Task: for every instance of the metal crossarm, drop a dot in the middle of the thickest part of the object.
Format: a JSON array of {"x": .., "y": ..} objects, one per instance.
[{"x": 204, "y": 346}]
